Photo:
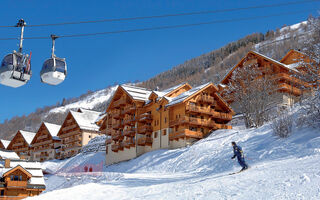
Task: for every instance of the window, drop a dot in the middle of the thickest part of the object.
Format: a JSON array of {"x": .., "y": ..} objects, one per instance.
[
  {"x": 89, "y": 136},
  {"x": 155, "y": 134},
  {"x": 165, "y": 120},
  {"x": 164, "y": 132},
  {"x": 2, "y": 192},
  {"x": 11, "y": 177},
  {"x": 20, "y": 178},
  {"x": 16, "y": 178}
]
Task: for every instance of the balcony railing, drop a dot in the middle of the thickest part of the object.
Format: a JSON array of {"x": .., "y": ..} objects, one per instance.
[
  {"x": 206, "y": 99},
  {"x": 116, "y": 114},
  {"x": 115, "y": 147},
  {"x": 185, "y": 133},
  {"x": 119, "y": 102},
  {"x": 116, "y": 135},
  {"x": 130, "y": 109},
  {"x": 129, "y": 132},
  {"x": 209, "y": 111},
  {"x": 288, "y": 88},
  {"x": 116, "y": 125},
  {"x": 146, "y": 129},
  {"x": 145, "y": 117},
  {"x": 129, "y": 143},
  {"x": 145, "y": 141},
  {"x": 290, "y": 78},
  {"x": 129, "y": 121},
  {"x": 108, "y": 141},
  {"x": 20, "y": 184}
]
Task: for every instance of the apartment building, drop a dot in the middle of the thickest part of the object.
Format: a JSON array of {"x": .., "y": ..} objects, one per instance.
[
  {"x": 46, "y": 145},
  {"x": 4, "y": 144},
  {"x": 21, "y": 144}
]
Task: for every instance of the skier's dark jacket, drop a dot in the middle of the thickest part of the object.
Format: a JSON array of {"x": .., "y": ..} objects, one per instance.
[{"x": 237, "y": 150}]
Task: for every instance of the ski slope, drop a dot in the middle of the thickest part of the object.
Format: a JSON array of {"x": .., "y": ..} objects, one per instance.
[{"x": 280, "y": 169}]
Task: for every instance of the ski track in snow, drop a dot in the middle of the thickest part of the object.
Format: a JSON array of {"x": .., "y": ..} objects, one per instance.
[{"x": 279, "y": 169}]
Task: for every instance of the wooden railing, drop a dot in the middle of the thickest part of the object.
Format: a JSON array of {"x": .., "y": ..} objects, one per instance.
[
  {"x": 185, "y": 133},
  {"x": 116, "y": 113},
  {"x": 129, "y": 132},
  {"x": 145, "y": 117},
  {"x": 42, "y": 143},
  {"x": 119, "y": 102},
  {"x": 115, "y": 147},
  {"x": 108, "y": 141},
  {"x": 129, "y": 109},
  {"x": 129, "y": 143},
  {"x": 17, "y": 184},
  {"x": 290, "y": 78},
  {"x": 206, "y": 98},
  {"x": 145, "y": 129},
  {"x": 128, "y": 120},
  {"x": 145, "y": 141},
  {"x": 209, "y": 111},
  {"x": 289, "y": 88}
]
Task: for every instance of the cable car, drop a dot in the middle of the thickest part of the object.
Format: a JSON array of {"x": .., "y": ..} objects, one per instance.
[
  {"x": 54, "y": 69},
  {"x": 15, "y": 69}
]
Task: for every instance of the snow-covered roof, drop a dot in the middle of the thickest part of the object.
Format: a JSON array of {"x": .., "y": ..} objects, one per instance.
[
  {"x": 137, "y": 93},
  {"x": 37, "y": 181},
  {"x": 86, "y": 119},
  {"x": 186, "y": 94},
  {"x": 52, "y": 128},
  {"x": 28, "y": 136},
  {"x": 5, "y": 143},
  {"x": 4, "y": 154},
  {"x": 101, "y": 117},
  {"x": 25, "y": 164}
]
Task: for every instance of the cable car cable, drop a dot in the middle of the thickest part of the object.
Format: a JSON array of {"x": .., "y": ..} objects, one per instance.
[
  {"x": 163, "y": 27},
  {"x": 172, "y": 15}
]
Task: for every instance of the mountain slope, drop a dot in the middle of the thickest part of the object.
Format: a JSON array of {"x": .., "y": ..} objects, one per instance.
[{"x": 280, "y": 169}]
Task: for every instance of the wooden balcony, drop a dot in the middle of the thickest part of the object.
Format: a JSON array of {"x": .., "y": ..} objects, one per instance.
[
  {"x": 116, "y": 125},
  {"x": 185, "y": 133},
  {"x": 108, "y": 141},
  {"x": 129, "y": 132},
  {"x": 145, "y": 141},
  {"x": 116, "y": 135},
  {"x": 42, "y": 143},
  {"x": 145, "y": 117},
  {"x": 208, "y": 111},
  {"x": 129, "y": 143},
  {"x": 145, "y": 129},
  {"x": 291, "y": 78},
  {"x": 116, "y": 114},
  {"x": 222, "y": 126},
  {"x": 109, "y": 131},
  {"x": 129, "y": 121},
  {"x": 115, "y": 147},
  {"x": 130, "y": 110},
  {"x": 17, "y": 184},
  {"x": 120, "y": 102},
  {"x": 220, "y": 115},
  {"x": 76, "y": 138},
  {"x": 290, "y": 89},
  {"x": 206, "y": 99},
  {"x": 121, "y": 146}
]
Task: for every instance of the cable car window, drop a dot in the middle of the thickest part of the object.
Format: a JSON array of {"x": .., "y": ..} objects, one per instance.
[
  {"x": 48, "y": 64},
  {"x": 60, "y": 66},
  {"x": 7, "y": 60}
]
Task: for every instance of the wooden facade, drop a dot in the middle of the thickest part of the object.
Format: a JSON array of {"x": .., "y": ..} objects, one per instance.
[
  {"x": 21, "y": 144},
  {"x": 284, "y": 74},
  {"x": 139, "y": 120},
  {"x": 77, "y": 130},
  {"x": 46, "y": 144}
]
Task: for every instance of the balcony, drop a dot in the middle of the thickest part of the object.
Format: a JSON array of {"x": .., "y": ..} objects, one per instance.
[
  {"x": 116, "y": 135},
  {"x": 145, "y": 141},
  {"x": 206, "y": 99},
  {"x": 129, "y": 143},
  {"x": 119, "y": 103},
  {"x": 222, "y": 126},
  {"x": 109, "y": 131},
  {"x": 129, "y": 132},
  {"x": 129, "y": 121},
  {"x": 145, "y": 129},
  {"x": 116, "y": 125},
  {"x": 130, "y": 110},
  {"x": 145, "y": 117},
  {"x": 221, "y": 115},
  {"x": 185, "y": 133},
  {"x": 290, "y": 89},
  {"x": 116, "y": 114},
  {"x": 108, "y": 141},
  {"x": 115, "y": 147},
  {"x": 209, "y": 111},
  {"x": 290, "y": 78},
  {"x": 17, "y": 184}
]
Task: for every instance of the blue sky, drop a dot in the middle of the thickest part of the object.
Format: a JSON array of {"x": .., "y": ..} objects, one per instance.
[{"x": 97, "y": 62}]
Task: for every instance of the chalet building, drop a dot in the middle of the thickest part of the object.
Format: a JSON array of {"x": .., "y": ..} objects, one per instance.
[
  {"x": 19, "y": 178},
  {"x": 288, "y": 86},
  {"x": 139, "y": 120},
  {"x": 77, "y": 130},
  {"x": 4, "y": 144},
  {"x": 46, "y": 144},
  {"x": 21, "y": 144}
]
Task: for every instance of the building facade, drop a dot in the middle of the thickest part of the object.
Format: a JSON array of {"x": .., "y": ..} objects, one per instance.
[
  {"x": 21, "y": 144},
  {"x": 46, "y": 145},
  {"x": 139, "y": 120}
]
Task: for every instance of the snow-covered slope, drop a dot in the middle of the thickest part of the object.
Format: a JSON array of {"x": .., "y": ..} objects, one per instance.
[
  {"x": 280, "y": 169},
  {"x": 100, "y": 96}
]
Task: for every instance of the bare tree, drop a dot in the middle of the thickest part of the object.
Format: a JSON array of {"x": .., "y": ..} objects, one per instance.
[{"x": 253, "y": 93}]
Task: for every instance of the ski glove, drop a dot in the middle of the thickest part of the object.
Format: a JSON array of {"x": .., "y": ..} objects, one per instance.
[{"x": 233, "y": 156}]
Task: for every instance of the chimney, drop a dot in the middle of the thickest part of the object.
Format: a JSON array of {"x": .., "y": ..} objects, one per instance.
[{"x": 7, "y": 163}]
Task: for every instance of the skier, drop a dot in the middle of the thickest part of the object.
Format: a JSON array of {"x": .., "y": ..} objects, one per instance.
[{"x": 237, "y": 150}]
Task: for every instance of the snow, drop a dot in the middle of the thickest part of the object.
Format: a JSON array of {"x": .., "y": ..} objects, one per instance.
[
  {"x": 294, "y": 26},
  {"x": 279, "y": 169},
  {"x": 101, "y": 96},
  {"x": 86, "y": 119},
  {"x": 5, "y": 143},
  {"x": 4, "y": 154},
  {"x": 52, "y": 128},
  {"x": 37, "y": 181},
  {"x": 137, "y": 93},
  {"x": 186, "y": 94},
  {"x": 28, "y": 136}
]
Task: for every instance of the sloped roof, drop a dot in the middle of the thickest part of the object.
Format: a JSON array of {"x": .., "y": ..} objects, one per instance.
[
  {"x": 52, "y": 128},
  {"x": 86, "y": 119},
  {"x": 185, "y": 95},
  {"x": 5, "y": 154},
  {"x": 28, "y": 136},
  {"x": 137, "y": 93},
  {"x": 5, "y": 143}
]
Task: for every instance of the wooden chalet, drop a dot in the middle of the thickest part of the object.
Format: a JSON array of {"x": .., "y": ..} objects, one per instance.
[
  {"x": 21, "y": 144},
  {"x": 46, "y": 145},
  {"x": 77, "y": 130},
  {"x": 138, "y": 120},
  {"x": 4, "y": 144},
  {"x": 283, "y": 73},
  {"x": 19, "y": 178}
]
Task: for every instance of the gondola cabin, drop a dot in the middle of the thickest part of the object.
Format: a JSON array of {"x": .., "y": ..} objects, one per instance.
[
  {"x": 15, "y": 70},
  {"x": 54, "y": 71}
]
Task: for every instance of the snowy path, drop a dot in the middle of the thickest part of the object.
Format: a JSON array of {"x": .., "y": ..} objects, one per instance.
[{"x": 280, "y": 169}]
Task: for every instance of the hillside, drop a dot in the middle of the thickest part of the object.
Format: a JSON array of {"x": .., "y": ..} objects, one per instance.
[
  {"x": 279, "y": 169},
  {"x": 208, "y": 67}
]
